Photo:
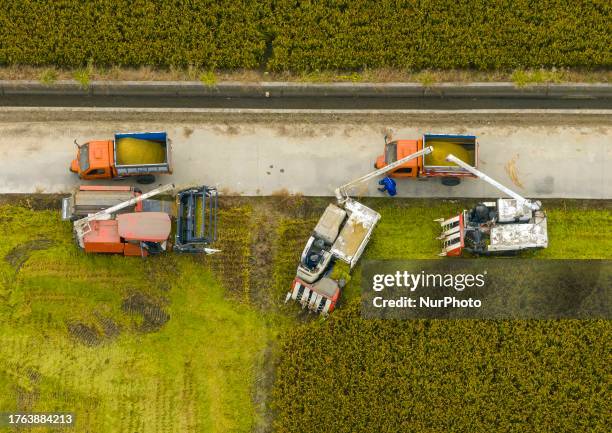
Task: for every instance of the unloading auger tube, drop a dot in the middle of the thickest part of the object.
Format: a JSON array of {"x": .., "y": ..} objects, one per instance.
[
  {"x": 82, "y": 227},
  {"x": 342, "y": 191},
  {"x": 533, "y": 205}
]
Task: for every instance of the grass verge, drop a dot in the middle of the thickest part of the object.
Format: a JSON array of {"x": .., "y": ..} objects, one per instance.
[{"x": 209, "y": 78}]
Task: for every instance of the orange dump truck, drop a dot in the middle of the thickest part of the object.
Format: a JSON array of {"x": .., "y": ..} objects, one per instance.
[
  {"x": 434, "y": 164},
  {"x": 139, "y": 154}
]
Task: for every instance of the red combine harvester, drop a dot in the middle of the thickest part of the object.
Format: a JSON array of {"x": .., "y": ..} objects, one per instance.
[
  {"x": 141, "y": 233},
  {"x": 494, "y": 228},
  {"x": 130, "y": 234}
]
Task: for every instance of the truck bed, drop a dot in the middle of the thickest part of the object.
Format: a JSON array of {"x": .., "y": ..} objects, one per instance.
[
  {"x": 463, "y": 147},
  {"x": 141, "y": 153}
]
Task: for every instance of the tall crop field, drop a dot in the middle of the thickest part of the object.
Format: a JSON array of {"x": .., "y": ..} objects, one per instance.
[
  {"x": 440, "y": 34},
  {"x": 70, "y": 33},
  {"x": 385, "y": 376},
  {"x": 290, "y": 35}
]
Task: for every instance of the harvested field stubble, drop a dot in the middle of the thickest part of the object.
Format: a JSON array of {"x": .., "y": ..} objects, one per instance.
[
  {"x": 97, "y": 334},
  {"x": 153, "y": 315}
]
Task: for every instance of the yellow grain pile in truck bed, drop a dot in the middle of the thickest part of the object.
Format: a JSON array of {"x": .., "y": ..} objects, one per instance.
[
  {"x": 134, "y": 151},
  {"x": 443, "y": 148}
]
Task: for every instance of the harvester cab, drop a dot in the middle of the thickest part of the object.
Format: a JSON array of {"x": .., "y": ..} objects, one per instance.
[
  {"x": 340, "y": 236},
  {"x": 505, "y": 226}
]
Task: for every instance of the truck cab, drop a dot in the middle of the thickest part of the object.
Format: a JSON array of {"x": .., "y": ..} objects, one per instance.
[
  {"x": 94, "y": 160},
  {"x": 398, "y": 149}
]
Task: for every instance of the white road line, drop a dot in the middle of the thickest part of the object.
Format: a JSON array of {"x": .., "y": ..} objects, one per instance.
[{"x": 300, "y": 110}]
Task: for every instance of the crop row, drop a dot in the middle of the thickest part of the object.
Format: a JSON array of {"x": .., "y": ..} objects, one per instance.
[
  {"x": 442, "y": 375},
  {"x": 307, "y": 35},
  {"x": 221, "y": 34}
]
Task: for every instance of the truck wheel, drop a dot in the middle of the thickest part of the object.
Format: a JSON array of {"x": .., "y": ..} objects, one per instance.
[
  {"x": 145, "y": 179},
  {"x": 451, "y": 181}
]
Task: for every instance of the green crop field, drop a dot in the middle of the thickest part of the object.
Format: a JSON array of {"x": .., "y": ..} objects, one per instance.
[
  {"x": 440, "y": 34},
  {"x": 286, "y": 35},
  {"x": 179, "y": 343}
]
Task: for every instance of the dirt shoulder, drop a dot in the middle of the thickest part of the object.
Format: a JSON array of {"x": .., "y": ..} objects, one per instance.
[{"x": 469, "y": 118}]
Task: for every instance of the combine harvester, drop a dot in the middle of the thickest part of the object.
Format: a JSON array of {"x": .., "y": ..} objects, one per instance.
[
  {"x": 139, "y": 226},
  {"x": 342, "y": 233},
  {"x": 506, "y": 227}
]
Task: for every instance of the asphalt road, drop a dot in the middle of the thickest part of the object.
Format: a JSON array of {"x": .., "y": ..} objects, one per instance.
[
  {"x": 328, "y": 102},
  {"x": 277, "y": 153}
]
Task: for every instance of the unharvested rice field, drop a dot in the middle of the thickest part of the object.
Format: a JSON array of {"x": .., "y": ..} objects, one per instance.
[
  {"x": 285, "y": 35},
  {"x": 204, "y": 344}
]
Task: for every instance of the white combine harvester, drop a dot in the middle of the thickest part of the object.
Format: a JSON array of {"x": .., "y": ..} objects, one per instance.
[
  {"x": 503, "y": 227},
  {"x": 342, "y": 233}
]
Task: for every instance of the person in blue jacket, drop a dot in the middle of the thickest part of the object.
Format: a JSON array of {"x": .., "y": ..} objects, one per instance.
[{"x": 388, "y": 185}]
